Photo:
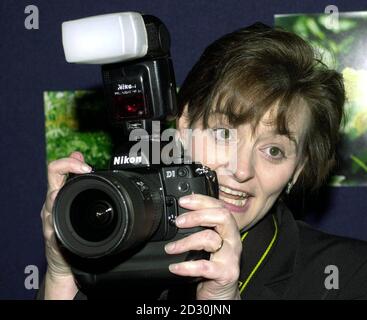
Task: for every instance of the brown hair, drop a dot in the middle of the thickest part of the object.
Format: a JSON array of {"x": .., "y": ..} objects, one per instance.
[{"x": 245, "y": 72}]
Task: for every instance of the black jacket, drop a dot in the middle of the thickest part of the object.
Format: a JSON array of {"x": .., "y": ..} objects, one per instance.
[
  {"x": 284, "y": 259},
  {"x": 296, "y": 267}
]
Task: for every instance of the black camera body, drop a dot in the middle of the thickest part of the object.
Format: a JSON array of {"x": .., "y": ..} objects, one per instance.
[
  {"x": 119, "y": 222},
  {"x": 112, "y": 225}
]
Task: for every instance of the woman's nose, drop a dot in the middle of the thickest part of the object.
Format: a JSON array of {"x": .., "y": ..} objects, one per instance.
[{"x": 243, "y": 169}]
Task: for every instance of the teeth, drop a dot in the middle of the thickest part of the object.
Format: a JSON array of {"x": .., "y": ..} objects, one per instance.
[
  {"x": 239, "y": 203},
  {"x": 234, "y": 192}
]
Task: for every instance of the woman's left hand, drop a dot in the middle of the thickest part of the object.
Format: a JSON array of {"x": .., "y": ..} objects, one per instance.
[{"x": 223, "y": 241}]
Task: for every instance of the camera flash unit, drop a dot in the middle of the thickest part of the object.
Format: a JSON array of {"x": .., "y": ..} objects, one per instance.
[{"x": 105, "y": 38}]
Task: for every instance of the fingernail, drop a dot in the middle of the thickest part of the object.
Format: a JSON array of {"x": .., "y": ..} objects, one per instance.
[
  {"x": 86, "y": 168},
  {"x": 185, "y": 199},
  {"x": 172, "y": 267},
  {"x": 180, "y": 220},
  {"x": 170, "y": 246}
]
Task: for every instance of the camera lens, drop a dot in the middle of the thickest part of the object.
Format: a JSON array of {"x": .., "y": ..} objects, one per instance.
[
  {"x": 92, "y": 214},
  {"x": 105, "y": 213},
  {"x": 102, "y": 213}
]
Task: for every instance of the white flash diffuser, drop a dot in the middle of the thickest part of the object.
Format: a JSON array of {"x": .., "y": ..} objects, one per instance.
[{"x": 105, "y": 38}]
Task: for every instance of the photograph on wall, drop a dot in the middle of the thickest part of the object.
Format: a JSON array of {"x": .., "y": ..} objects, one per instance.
[
  {"x": 77, "y": 121},
  {"x": 341, "y": 42}
]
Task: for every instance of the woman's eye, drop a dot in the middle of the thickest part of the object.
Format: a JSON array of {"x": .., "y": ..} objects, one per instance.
[
  {"x": 223, "y": 134},
  {"x": 274, "y": 153}
]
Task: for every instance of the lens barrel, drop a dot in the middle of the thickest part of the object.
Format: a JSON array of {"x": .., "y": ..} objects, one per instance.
[{"x": 106, "y": 212}]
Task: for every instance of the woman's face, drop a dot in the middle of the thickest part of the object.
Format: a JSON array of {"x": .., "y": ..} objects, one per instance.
[{"x": 252, "y": 168}]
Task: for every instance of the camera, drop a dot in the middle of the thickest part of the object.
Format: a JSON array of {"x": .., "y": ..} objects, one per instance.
[{"x": 112, "y": 225}]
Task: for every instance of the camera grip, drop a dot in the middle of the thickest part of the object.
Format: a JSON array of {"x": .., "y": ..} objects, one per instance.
[{"x": 149, "y": 264}]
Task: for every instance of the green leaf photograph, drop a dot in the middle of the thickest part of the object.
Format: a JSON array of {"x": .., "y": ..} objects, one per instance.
[{"x": 77, "y": 121}]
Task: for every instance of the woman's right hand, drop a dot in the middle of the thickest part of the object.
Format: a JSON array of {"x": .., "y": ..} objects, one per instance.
[{"x": 59, "y": 283}]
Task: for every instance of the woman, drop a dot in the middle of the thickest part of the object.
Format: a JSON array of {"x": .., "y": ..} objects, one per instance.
[{"x": 258, "y": 96}]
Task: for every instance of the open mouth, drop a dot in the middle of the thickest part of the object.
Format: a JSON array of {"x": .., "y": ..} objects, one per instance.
[{"x": 233, "y": 197}]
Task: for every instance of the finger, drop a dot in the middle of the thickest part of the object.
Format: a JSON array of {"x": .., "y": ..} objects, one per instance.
[
  {"x": 58, "y": 169},
  {"x": 218, "y": 218},
  {"x": 199, "y": 268},
  {"x": 77, "y": 155},
  {"x": 212, "y": 270},
  {"x": 207, "y": 240},
  {"x": 200, "y": 201}
]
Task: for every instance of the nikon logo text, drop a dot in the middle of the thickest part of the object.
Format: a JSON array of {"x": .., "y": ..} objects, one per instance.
[
  {"x": 124, "y": 86},
  {"x": 126, "y": 160}
]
